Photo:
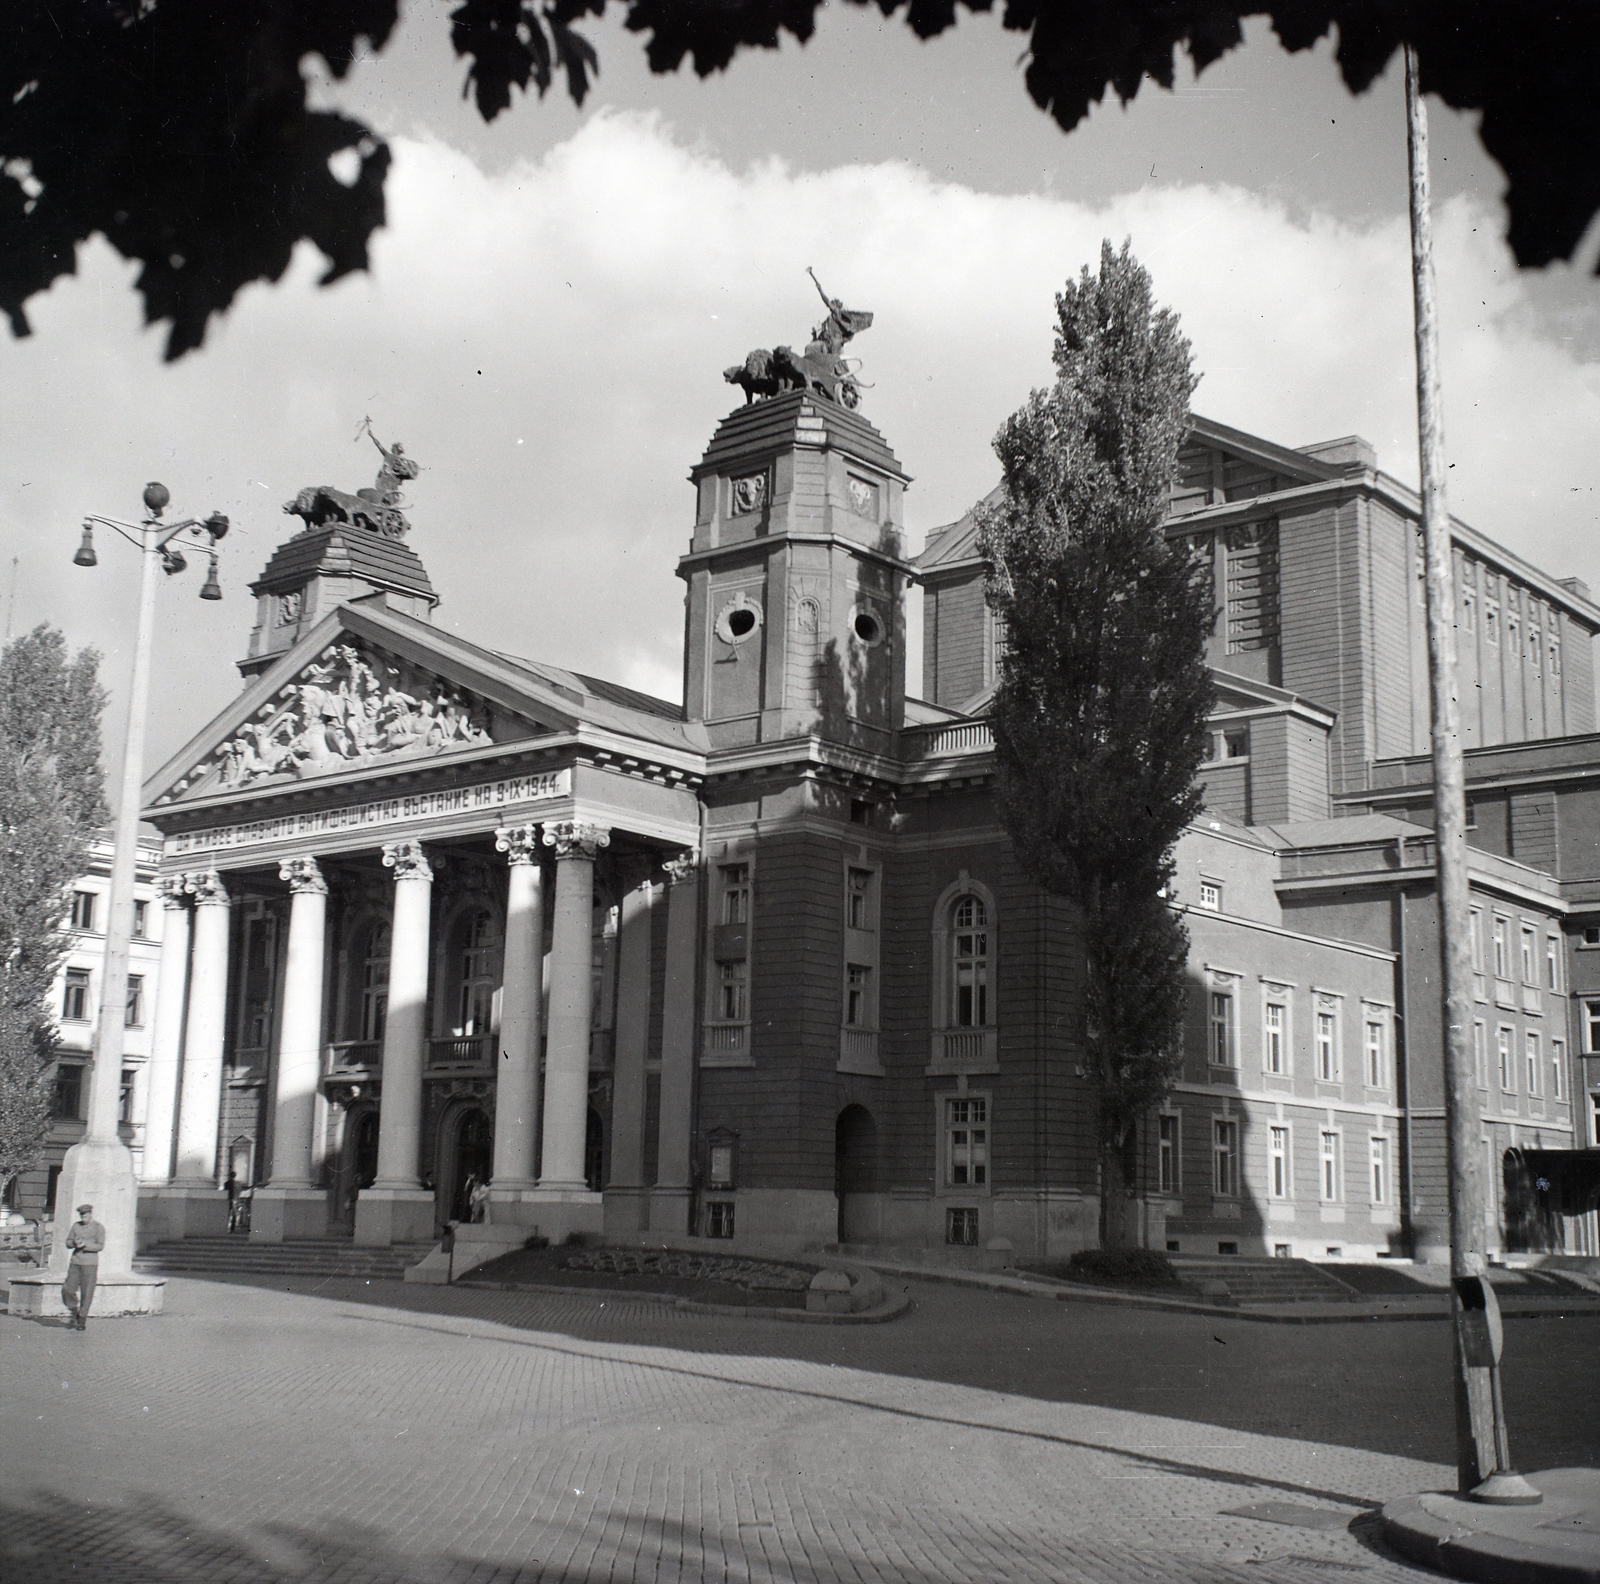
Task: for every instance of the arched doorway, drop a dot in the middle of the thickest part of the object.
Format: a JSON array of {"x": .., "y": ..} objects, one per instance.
[
  {"x": 594, "y": 1151},
  {"x": 468, "y": 1159},
  {"x": 855, "y": 1174},
  {"x": 358, "y": 1161}
]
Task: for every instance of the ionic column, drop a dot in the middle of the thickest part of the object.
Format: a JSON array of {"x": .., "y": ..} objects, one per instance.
[
  {"x": 625, "y": 1190},
  {"x": 166, "y": 1041},
  {"x": 566, "y": 1059},
  {"x": 300, "y": 1026},
  {"x": 669, "y": 1199},
  {"x": 405, "y": 1023},
  {"x": 200, "y": 1104},
  {"x": 516, "y": 1100}
]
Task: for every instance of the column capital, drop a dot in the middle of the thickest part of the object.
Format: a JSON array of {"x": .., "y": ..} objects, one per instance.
[
  {"x": 303, "y": 875},
  {"x": 408, "y": 860},
  {"x": 682, "y": 867},
  {"x": 576, "y": 838},
  {"x": 173, "y": 890},
  {"x": 520, "y": 843},
  {"x": 207, "y": 889}
]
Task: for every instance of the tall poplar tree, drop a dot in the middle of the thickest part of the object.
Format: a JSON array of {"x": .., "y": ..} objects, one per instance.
[
  {"x": 1099, "y": 714},
  {"x": 51, "y": 800}
]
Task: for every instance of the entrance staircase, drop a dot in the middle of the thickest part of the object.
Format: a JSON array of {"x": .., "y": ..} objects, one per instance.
[
  {"x": 234, "y": 1255},
  {"x": 1264, "y": 1281}
]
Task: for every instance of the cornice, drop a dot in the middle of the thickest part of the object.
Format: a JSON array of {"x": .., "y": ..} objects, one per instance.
[{"x": 765, "y": 544}]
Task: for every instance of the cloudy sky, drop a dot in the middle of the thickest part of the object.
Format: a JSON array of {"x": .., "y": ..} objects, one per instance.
[{"x": 554, "y": 297}]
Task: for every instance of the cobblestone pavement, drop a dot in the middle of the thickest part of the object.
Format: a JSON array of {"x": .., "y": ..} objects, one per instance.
[{"x": 360, "y": 1433}]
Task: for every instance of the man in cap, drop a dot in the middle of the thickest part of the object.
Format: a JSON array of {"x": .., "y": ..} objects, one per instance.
[{"x": 85, "y": 1237}]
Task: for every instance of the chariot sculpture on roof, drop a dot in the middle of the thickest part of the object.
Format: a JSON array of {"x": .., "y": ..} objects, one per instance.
[
  {"x": 376, "y": 509},
  {"x": 822, "y": 367}
]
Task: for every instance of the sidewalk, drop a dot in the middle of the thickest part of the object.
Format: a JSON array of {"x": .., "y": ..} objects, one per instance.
[{"x": 1557, "y": 1542}]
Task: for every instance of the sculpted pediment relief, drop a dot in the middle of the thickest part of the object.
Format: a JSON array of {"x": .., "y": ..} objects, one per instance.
[{"x": 354, "y": 706}]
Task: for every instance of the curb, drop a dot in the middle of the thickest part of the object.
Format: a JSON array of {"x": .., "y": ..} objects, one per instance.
[
  {"x": 1448, "y": 1547},
  {"x": 1025, "y": 1287},
  {"x": 890, "y": 1309}
]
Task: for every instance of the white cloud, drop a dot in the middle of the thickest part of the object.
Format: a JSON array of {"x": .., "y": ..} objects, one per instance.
[{"x": 585, "y": 306}]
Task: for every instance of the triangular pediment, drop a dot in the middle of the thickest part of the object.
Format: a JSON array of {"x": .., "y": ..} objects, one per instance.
[{"x": 346, "y": 700}]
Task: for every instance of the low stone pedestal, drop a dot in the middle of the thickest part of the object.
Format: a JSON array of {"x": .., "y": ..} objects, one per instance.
[
  {"x": 393, "y": 1215},
  {"x": 556, "y": 1213},
  {"x": 116, "y": 1293},
  {"x": 279, "y": 1213},
  {"x": 475, "y": 1244},
  {"x": 167, "y": 1214},
  {"x": 668, "y": 1215}
]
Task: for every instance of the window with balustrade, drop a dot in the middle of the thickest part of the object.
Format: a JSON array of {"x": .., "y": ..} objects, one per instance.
[
  {"x": 476, "y": 952},
  {"x": 964, "y": 972},
  {"x": 727, "y": 1008},
  {"x": 373, "y": 1002}
]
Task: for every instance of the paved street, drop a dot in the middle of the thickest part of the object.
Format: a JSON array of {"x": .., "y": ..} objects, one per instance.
[{"x": 365, "y": 1434}]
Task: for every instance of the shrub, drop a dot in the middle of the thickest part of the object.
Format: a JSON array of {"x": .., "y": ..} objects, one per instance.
[
  {"x": 1143, "y": 1266},
  {"x": 537, "y": 1241}
]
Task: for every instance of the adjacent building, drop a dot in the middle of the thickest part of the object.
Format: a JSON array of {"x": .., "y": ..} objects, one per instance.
[{"x": 761, "y": 966}]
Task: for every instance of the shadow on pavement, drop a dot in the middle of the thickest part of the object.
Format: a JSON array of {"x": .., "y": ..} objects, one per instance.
[{"x": 1381, "y": 1387}]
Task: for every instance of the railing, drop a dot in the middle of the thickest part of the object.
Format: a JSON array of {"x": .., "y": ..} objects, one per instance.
[
  {"x": 725, "y": 1039},
  {"x": 964, "y": 737},
  {"x": 858, "y": 1048},
  {"x": 355, "y": 1055},
  {"x": 962, "y": 1044},
  {"x": 460, "y": 1050},
  {"x": 1532, "y": 1000}
]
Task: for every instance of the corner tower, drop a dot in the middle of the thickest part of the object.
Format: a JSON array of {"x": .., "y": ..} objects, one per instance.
[
  {"x": 352, "y": 546},
  {"x": 796, "y": 578}
]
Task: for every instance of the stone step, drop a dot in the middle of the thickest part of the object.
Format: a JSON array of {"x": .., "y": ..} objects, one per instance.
[
  {"x": 300, "y": 1256},
  {"x": 1265, "y": 1280}
]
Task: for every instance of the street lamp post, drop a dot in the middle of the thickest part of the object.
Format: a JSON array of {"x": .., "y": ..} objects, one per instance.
[{"x": 99, "y": 1169}]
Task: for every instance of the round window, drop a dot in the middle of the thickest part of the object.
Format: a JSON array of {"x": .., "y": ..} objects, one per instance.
[
  {"x": 868, "y": 627},
  {"x": 738, "y": 620}
]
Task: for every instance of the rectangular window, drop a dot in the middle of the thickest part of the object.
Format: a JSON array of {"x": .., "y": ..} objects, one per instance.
[
  {"x": 969, "y": 963},
  {"x": 1168, "y": 1152},
  {"x": 1533, "y": 1060},
  {"x": 1278, "y": 1162},
  {"x": 1327, "y": 1047},
  {"x": 1380, "y": 1170},
  {"x": 1535, "y": 647},
  {"x": 719, "y": 1218},
  {"x": 1377, "y": 1053},
  {"x": 1594, "y": 1119},
  {"x": 1552, "y": 962},
  {"x": 125, "y": 1097},
  {"x": 135, "y": 1017},
  {"x": 1475, "y": 927},
  {"x": 730, "y": 992},
  {"x": 1558, "y": 1069},
  {"x": 1480, "y": 1054},
  {"x": 858, "y": 899},
  {"x": 1508, "y": 1069},
  {"x": 966, "y": 1143},
  {"x": 961, "y": 1227},
  {"x": 1491, "y": 623},
  {"x": 1225, "y": 1159},
  {"x": 1502, "y": 948},
  {"x": 1252, "y": 571},
  {"x": 735, "y": 880},
  {"x": 1274, "y": 1038},
  {"x": 1530, "y": 956},
  {"x": 1330, "y": 1168},
  {"x": 141, "y": 917},
  {"x": 1555, "y": 658},
  {"x": 1591, "y": 934},
  {"x": 1211, "y": 896},
  {"x": 75, "y": 996},
  {"x": 83, "y": 910},
  {"x": 858, "y": 995},
  {"x": 66, "y": 1101},
  {"x": 1469, "y": 613},
  {"x": 1591, "y": 1027},
  {"x": 1222, "y": 1041}
]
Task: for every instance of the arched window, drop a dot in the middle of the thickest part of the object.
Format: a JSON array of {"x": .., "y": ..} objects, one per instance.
[
  {"x": 969, "y": 963},
  {"x": 964, "y": 984},
  {"x": 478, "y": 964},
  {"x": 375, "y": 981}
]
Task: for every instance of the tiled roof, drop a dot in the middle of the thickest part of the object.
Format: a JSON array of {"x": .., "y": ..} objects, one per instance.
[
  {"x": 345, "y": 552},
  {"x": 775, "y": 425}
]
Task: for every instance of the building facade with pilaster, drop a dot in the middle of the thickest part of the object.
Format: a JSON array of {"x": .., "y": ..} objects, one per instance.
[{"x": 761, "y": 966}]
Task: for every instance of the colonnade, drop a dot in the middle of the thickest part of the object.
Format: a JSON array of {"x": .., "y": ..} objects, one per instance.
[{"x": 185, "y": 1106}]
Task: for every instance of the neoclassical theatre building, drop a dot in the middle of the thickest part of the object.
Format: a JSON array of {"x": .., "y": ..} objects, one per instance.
[{"x": 762, "y": 967}]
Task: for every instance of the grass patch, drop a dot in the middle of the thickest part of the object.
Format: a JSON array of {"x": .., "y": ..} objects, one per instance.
[{"x": 704, "y": 1278}]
